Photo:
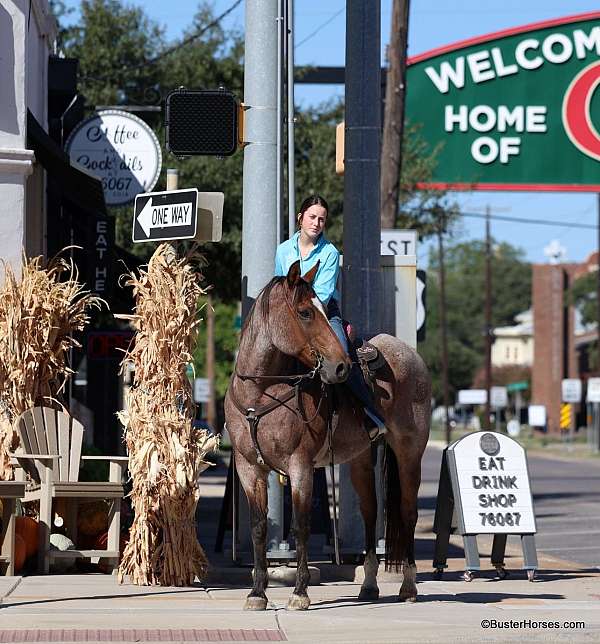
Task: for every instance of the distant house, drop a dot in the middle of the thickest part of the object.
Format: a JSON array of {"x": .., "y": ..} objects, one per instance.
[{"x": 513, "y": 345}]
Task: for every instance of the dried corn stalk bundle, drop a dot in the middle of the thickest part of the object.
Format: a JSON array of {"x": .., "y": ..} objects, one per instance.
[
  {"x": 166, "y": 453},
  {"x": 38, "y": 315}
]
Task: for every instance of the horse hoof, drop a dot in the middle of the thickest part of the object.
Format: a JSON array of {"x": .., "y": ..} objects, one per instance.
[
  {"x": 255, "y": 603},
  {"x": 368, "y": 594},
  {"x": 407, "y": 597},
  {"x": 298, "y": 602}
]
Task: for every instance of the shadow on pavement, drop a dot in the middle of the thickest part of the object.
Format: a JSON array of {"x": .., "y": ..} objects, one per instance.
[{"x": 463, "y": 598}]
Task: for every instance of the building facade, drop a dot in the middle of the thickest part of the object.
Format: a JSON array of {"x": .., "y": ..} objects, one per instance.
[{"x": 27, "y": 38}]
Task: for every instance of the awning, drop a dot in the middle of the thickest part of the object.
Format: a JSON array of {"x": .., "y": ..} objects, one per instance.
[{"x": 80, "y": 189}]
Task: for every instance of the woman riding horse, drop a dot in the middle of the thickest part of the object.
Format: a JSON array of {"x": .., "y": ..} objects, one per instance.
[
  {"x": 278, "y": 418},
  {"x": 310, "y": 246}
]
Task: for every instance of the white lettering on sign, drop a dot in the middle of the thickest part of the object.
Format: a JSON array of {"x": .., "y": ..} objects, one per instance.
[
  {"x": 484, "y": 118},
  {"x": 494, "y": 490},
  {"x": 529, "y": 54}
]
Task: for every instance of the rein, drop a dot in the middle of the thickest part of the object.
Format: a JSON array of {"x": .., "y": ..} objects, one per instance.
[{"x": 254, "y": 414}]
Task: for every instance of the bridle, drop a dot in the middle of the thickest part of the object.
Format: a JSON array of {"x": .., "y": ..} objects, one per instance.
[{"x": 254, "y": 414}]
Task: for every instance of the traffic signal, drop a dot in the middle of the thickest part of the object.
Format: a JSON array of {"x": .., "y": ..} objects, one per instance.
[
  {"x": 202, "y": 122},
  {"x": 566, "y": 414}
]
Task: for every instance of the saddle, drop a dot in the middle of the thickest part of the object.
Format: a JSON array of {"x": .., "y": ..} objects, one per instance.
[{"x": 368, "y": 357}]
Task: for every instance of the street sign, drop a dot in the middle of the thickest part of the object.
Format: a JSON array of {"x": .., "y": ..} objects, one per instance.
[
  {"x": 178, "y": 214},
  {"x": 201, "y": 390},
  {"x": 513, "y": 428},
  {"x": 161, "y": 216},
  {"x": 537, "y": 415},
  {"x": 593, "y": 390},
  {"x": 498, "y": 397},
  {"x": 571, "y": 390},
  {"x": 521, "y": 385},
  {"x": 421, "y": 304},
  {"x": 398, "y": 242},
  {"x": 472, "y": 397}
]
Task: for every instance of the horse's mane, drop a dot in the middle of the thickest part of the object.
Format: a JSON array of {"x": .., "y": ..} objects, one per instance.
[{"x": 259, "y": 313}]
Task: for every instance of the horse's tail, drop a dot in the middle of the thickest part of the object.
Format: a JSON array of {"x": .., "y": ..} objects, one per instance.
[{"x": 395, "y": 532}]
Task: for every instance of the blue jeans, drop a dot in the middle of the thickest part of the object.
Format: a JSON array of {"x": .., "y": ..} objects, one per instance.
[{"x": 338, "y": 329}]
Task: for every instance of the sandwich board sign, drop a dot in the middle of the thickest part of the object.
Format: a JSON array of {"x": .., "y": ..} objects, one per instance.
[
  {"x": 178, "y": 214},
  {"x": 484, "y": 489}
]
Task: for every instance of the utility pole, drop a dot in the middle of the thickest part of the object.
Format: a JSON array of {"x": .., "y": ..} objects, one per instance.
[
  {"x": 362, "y": 225},
  {"x": 443, "y": 325},
  {"x": 260, "y": 223},
  {"x": 211, "y": 407},
  {"x": 393, "y": 118},
  {"x": 488, "y": 318}
]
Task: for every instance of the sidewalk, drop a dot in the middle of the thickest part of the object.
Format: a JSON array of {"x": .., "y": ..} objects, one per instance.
[
  {"x": 93, "y": 607},
  {"x": 39, "y": 608}
]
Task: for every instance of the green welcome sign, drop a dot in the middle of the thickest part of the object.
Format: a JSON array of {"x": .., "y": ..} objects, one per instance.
[{"x": 513, "y": 110}]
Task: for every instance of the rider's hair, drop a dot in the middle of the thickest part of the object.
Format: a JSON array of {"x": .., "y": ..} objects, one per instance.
[{"x": 312, "y": 200}]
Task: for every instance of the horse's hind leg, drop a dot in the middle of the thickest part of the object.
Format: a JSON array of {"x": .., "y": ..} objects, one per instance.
[
  {"x": 254, "y": 482},
  {"x": 362, "y": 476},
  {"x": 407, "y": 452},
  {"x": 301, "y": 480}
]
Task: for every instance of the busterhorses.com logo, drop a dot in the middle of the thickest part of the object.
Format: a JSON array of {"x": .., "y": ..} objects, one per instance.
[{"x": 576, "y": 111}]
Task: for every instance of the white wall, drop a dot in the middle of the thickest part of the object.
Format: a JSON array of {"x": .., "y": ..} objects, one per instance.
[
  {"x": 512, "y": 350},
  {"x": 24, "y": 51}
]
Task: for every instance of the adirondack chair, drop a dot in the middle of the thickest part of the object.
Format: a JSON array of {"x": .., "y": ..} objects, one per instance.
[
  {"x": 10, "y": 491},
  {"x": 50, "y": 452}
]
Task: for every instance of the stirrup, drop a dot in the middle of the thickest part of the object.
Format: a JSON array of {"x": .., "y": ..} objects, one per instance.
[{"x": 377, "y": 429}]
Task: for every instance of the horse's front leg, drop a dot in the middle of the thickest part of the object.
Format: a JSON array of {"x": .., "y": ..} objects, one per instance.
[
  {"x": 301, "y": 480},
  {"x": 254, "y": 482},
  {"x": 362, "y": 475}
]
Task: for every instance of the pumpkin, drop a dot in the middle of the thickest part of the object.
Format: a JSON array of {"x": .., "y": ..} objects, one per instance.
[
  {"x": 92, "y": 518},
  {"x": 28, "y": 529},
  {"x": 20, "y": 552}
]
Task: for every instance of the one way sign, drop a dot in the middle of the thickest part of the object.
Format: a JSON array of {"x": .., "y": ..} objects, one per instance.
[{"x": 161, "y": 216}]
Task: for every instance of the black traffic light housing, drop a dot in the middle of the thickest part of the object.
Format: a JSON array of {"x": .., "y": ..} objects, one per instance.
[{"x": 201, "y": 122}]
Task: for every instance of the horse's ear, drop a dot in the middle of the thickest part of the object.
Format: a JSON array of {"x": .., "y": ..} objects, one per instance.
[
  {"x": 310, "y": 275},
  {"x": 293, "y": 274}
]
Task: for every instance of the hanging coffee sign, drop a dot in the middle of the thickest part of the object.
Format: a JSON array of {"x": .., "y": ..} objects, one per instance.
[{"x": 121, "y": 150}]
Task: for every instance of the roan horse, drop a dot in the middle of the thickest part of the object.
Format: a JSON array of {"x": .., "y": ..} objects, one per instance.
[{"x": 287, "y": 326}]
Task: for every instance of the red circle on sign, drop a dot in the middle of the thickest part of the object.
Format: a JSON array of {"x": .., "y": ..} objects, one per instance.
[{"x": 576, "y": 111}]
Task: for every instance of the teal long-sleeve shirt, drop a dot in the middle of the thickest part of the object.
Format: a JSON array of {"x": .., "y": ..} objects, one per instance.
[{"x": 325, "y": 281}]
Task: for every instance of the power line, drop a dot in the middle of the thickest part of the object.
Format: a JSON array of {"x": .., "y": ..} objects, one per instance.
[
  {"x": 170, "y": 50},
  {"x": 541, "y": 222},
  {"x": 321, "y": 26}
]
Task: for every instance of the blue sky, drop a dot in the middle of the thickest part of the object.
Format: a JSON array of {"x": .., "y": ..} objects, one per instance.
[{"x": 433, "y": 23}]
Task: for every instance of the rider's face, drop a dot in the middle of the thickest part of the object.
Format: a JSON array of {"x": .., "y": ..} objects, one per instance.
[{"x": 312, "y": 222}]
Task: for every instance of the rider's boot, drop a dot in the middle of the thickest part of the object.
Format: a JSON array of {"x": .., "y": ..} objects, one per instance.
[{"x": 374, "y": 423}]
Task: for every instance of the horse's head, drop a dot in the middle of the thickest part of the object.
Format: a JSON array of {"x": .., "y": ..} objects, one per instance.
[{"x": 298, "y": 325}]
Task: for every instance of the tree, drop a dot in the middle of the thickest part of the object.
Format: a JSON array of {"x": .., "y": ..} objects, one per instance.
[{"x": 511, "y": 277}]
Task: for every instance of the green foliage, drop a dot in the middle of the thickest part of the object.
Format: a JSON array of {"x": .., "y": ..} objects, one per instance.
[
  {"x": 465, "y": 297},
  {"x": 226, "y": 344},
  {"x": 113, "y": 42},
  {"x": 583, "y": 294}
]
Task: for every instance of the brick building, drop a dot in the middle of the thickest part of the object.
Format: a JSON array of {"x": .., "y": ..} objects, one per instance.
[{"x": 556, "y": 335}]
